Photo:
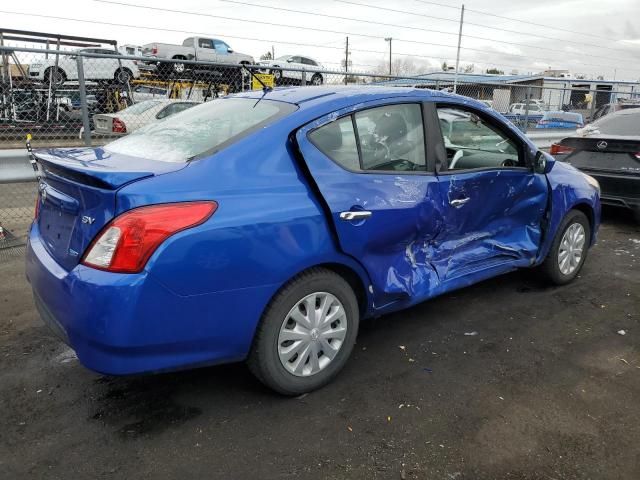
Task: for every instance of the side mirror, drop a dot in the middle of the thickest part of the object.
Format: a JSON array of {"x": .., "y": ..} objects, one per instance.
[
  {"x": 541, "y": 163},
  {"x": 229, "y": 50},
  {"x": 289, "y": 60}
]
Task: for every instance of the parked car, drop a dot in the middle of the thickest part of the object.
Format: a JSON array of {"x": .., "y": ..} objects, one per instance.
[
  {"x": 289, "y": 77},
  {"x": 193, "y": 48},
  {"x": 521, "y": 109},
  {"x": 138, "y": 115},
  {"x": 141, "y": 93},
  {"x": 613, "y": 107},
  {"x": 609, "y": 150},
  {"x": 560, "y": 119},
  {"x": 267, "y": 226},
  {"x": 111, "y": 69}
]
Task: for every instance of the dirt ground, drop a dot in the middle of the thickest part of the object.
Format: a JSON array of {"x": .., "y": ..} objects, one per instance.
[{"x": 546, "y": 389}]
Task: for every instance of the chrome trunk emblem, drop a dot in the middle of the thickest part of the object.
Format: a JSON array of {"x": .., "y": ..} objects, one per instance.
[{"x": 602, "y": 145}]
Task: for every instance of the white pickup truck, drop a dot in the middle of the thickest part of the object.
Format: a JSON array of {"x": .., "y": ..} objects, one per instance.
[{"x": 197, "y": 49}]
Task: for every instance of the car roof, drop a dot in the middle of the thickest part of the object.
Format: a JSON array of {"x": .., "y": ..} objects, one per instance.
[{"x": 301, "y": 95}]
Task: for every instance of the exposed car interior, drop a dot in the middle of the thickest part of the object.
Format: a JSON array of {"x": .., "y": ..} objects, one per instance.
[{"x": 471, "y": 142}]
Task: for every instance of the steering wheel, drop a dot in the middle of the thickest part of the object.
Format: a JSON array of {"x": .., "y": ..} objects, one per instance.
[{"x": 455, "y": 159}]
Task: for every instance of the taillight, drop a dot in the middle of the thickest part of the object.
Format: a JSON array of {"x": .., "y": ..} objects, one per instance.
[
  {"x": 129, "y": 240},
  {"x": 558, "y": 149},
  {"x": 37, "y": 209},
  {"x": 118, "y": 126},
  {"x": 154, "y": 49},
  {"x": 637, "y": 155}
]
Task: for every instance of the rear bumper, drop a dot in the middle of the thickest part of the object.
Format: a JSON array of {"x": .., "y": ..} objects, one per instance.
[
  {"x": 620, "y": 190},
  {"x": 122, "y": 324}
]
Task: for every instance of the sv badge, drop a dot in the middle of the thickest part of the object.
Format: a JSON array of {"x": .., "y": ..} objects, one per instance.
[{"x": 88, "y": 220}]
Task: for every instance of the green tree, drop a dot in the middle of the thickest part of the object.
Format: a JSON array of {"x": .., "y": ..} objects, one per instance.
[{"x": 494, "y": 71}]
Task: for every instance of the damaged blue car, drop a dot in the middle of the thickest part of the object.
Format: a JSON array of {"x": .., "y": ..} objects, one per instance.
[{"x": 265, "y": 226}]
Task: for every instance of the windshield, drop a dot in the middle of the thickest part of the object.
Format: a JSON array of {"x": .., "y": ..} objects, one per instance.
[
  {"x": 284, "y": 57},
  {"x": 203, "y": 129},
  {"x": 625, "y": 123},
  {"x": 141, "y": 107}
]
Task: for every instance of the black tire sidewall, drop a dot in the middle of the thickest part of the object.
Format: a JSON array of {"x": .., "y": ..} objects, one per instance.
[
  {"x": 551, "y": 263},
  {"x": 271, "y": 371}
]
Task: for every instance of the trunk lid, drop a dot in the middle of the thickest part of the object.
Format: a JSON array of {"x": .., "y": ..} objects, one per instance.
[
  {"x": 77, "y": 195},
  {"x": 609, "y": 153}
]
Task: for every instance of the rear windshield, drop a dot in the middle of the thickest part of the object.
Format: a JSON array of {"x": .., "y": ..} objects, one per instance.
[
  {"x": 627, "y": 123},
  {"x": 141, "y": 107},
  {"x": 201, "y": 130}
]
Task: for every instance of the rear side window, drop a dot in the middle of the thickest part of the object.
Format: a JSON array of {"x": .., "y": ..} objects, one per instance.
[
  {"x": 200, "y": 130},
  {"x": 337, "y": 140},
  {"x": 389, "y": 138}
]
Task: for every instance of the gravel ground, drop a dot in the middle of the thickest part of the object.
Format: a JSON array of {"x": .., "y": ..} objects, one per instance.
[{"x": 546, "y": 389}]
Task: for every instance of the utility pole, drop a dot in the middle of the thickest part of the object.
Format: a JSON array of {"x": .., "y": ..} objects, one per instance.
[
  {"x": 455, "y": 77},
  {"x": 346, "y": 61},
  {"x": 389, "y": 39},
  {"x": 273, "y": 53}
]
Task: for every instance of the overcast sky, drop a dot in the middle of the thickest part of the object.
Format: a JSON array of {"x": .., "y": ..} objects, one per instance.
[{"x": 610, "y": 44}]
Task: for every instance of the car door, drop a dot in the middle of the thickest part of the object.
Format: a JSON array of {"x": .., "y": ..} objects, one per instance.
[
  {"x": 492, "y": 202},
  {"x": 371, "y": 170},
  {"x": 206, "y": 50},
  {"x": 294, "y": 62}
]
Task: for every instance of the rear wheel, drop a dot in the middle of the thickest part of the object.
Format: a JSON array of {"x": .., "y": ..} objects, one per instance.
[
  {"x": 316, "y": 79},
  {"x": 306, "y": 334},
  {"x": 569, "y": 249},
  {"x": 179, "y": 68},
  {"x": 56, "y": 75},
  {"x": 123, "y": 76}
]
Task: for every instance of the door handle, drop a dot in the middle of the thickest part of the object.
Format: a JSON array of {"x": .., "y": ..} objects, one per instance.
[
  {"x": 354, "y": 215},
  {"x": 458, "y": 202}
]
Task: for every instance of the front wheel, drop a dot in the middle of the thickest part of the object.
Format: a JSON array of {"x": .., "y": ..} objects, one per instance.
[
  {"x": 569, "y": 249},
  {"x": 123, "y": 76},
  {"x": 55, "y": 75},
  {"x": 306, "y": 334},
  {"x": 316, "y": 79}
]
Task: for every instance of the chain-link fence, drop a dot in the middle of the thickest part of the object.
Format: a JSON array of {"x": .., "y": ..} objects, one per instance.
[{"x": 92, "y": 96}]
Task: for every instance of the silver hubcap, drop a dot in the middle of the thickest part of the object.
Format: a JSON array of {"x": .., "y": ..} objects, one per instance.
[
  {"x": 178, "y": 67},
  {"x": 312, "y": 334},
  {"x": 571, "y": 248}
]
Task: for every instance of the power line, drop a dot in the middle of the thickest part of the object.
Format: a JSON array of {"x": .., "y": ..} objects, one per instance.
[
  {"x": 517, "y": 20},
  {"x": 426, "y": 43},
  {"x": 471, "y": 23},
  {"x": 187, "y": 12},
  {"x": 141, "y": 27}
]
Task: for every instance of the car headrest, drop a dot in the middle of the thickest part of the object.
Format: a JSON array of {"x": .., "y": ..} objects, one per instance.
[{"x": 392, "y": 126}]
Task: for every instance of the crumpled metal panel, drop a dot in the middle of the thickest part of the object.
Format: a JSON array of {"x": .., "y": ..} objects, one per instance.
[{"x": 416, "y": 245}]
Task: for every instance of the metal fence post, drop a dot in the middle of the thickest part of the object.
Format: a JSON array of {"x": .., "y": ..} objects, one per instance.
[
  {"x": 594, "y": 97},
  {"x": 303, "y": 80},
  {"x": 527, "y": 99},
  {"x": 86, "y": 128}
]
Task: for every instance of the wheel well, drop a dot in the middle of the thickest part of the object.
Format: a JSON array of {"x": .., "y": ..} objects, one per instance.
[
  {"x": 588, "y": 211},
  {"x": 178, "y": 57},
  {"x": 354, "y": 281}
]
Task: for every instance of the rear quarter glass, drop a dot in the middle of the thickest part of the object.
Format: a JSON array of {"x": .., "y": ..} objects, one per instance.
[{"x": 200, "y": 131}]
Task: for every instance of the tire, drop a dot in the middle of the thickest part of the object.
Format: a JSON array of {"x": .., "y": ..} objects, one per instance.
[
  {"x": 56, "y": 74},
  {"x": 177, "y": 67},
  {"x": 277, "y": 76},
  {"x": 294, "y": 374},
  {"x": 316, "y": 79},
  {"x": 575, "y": 221},
  {"x": 123, "y": 76}
]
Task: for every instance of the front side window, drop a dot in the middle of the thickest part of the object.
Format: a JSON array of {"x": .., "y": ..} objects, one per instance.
[
  {"x": 473, "y": 142},
  {"x": 205, "y": 43},
  {"x": 220, "y": 46}
]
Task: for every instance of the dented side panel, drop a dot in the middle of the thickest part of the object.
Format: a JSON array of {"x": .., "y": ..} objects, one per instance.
[{"x": 500, "y": 223}]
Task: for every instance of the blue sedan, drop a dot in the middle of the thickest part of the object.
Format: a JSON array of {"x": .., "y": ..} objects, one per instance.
[{"x": 264, "y": 227}]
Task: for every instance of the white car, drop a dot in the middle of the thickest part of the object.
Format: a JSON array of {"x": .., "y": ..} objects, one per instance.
[
  {"x": 94, "y": 68},
  {"x": 521, "y": 109},
  {"x": 138, "y": 115},
  {"x": 275, "y": 67}
]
